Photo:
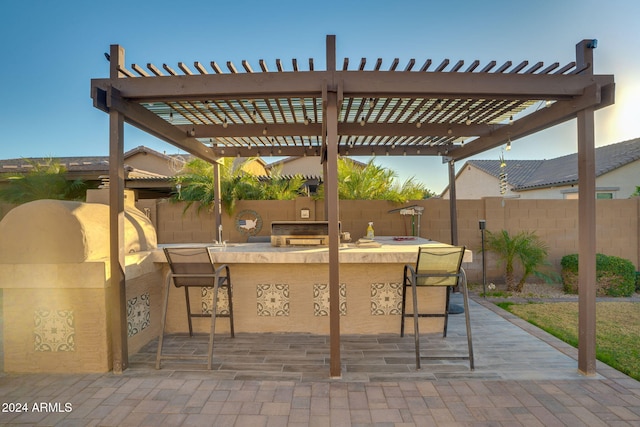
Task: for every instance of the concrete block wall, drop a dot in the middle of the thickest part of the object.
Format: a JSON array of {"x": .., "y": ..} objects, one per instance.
[
  {"x": 174, "y": 224},
  {"x": 554, "y": 221}
]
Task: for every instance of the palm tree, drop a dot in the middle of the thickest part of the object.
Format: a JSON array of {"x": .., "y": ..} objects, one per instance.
[
  {"x": 525, "y": 248},
  {"x": 197, "y": 185},
  {"x": 46, "y": 180},
  {"x": 374, "y": 182},
  {"x": 278, "y": 187}
]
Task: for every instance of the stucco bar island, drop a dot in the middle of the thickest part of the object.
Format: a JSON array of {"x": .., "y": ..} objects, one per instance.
[{"x": 285, "y": 289}]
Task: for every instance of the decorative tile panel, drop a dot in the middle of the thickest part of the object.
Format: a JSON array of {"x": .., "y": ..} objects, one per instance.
[
  {"x": 321, "y": 299},
  {"x": 138, "y": 314},
  {"x": 386, "y": 299},
  {"x": 207, "y": 301},
  {"x": 54, "y": 330},
  {"x": 272, "y": 299}
]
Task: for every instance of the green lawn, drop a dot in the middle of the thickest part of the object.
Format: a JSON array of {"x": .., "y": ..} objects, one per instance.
[{"x": 617, "y": 326}]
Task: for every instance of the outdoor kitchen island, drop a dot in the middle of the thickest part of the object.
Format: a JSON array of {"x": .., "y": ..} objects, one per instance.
[{"x": 286, "y": 289}]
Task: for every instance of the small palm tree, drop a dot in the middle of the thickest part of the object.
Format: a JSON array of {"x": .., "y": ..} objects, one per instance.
[
  {"x": 46, "y": 180},
  {"x": 525, "y": 248}
]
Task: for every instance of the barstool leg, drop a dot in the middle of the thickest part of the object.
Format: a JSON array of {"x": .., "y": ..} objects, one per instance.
[
  {"x": 186, "y": 297},
  {"x": 212, "y": 332},
  {"x": 229, "y": 292},
  {"x": 404, "y": 306},
  {"x": 416, "y": 322},
  {"x": 465, "y": 298},
  {"x": 164, "y": 320},
  {"x": 446, "y": 311}
]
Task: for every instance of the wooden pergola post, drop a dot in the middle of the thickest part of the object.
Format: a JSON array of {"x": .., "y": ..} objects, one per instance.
[
  {"x": 331, "y": 200},
  {"x": 586, "y": 224},
  {"x": 118, "y": 300},
  {"x": 217, "y": 203}
]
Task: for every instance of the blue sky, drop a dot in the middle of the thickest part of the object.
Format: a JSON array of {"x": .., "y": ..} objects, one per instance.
[{"x": 51, "y": 51}]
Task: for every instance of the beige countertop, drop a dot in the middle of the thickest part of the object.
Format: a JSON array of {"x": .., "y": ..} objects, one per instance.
[{"x": 390, "y": 251}]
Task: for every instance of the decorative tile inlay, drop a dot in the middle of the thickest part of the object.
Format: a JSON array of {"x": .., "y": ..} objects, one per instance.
[
  {"x": 321, "y": 299},
  {"x": 138, "y": 314},
  {"x": 207, "y": 301},
  {"x": 54, "y": 330},
  {"x": 273, "y": 299},
  {"x": 386, "y": 299}
]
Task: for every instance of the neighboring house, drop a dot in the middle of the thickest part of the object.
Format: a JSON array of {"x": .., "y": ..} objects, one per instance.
[
  {"x": 147, "y": 171},
  {"x": 308, "y": 167},
  {"x": 617, "y": 175},
  {"x": 89, "y": 168}
]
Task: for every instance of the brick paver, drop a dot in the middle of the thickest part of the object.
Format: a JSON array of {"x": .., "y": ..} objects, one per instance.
[{"x": 533, "y": 397}]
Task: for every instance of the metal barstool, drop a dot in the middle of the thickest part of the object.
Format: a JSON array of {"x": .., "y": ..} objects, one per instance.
[
  {"x": 436, "y": 266},
  {"x": 193, "y": 267}
]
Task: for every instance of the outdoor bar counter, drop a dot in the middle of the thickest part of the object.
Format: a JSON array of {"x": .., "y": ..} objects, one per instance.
[{"x": 286, "y": 289}]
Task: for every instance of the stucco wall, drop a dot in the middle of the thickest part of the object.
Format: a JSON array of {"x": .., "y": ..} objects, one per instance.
[
  {"x": 473, "y": 183},
  {"x": 302, "y": 165},
  {"x": 151, "y": 162},
  {"x": 55, "y": 287}
]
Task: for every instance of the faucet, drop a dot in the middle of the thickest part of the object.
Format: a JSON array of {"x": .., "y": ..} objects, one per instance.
[{"x": 220, "y": 242}]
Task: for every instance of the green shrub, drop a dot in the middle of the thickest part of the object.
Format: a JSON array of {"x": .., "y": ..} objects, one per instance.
[{"x": 615, "y": 276}]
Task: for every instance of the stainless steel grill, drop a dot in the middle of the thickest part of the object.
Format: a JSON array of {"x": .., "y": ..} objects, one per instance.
[{"x": 299, "y": 233}]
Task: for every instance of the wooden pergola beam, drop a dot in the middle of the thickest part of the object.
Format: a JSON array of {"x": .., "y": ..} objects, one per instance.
[
  {"x": 377, "y": 84},
  {"x": 315, "y": 129},
  {"x": 143, "y": 119},
  {"x": 343, "y": 150}
]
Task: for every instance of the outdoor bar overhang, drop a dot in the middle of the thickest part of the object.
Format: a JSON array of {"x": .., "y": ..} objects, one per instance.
[{"x": 447, "y": 109}]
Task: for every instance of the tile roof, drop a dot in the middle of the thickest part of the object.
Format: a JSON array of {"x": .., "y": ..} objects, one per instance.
[
  {"x": 90, "y": 163},
  {"x": 530, "y": 174},
  {"x": 518, "y": 171}
]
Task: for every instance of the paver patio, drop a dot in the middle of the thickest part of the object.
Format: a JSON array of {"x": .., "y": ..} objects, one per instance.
[{"x": 523, "y": 376}]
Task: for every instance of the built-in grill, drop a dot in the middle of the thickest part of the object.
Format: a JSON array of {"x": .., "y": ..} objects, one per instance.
[{"x": 300, "y": 233}]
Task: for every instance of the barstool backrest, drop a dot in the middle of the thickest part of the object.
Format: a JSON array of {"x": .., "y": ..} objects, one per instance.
[
  {"x": 194, "y": 261},
  {"x": 439, "y": 265}
]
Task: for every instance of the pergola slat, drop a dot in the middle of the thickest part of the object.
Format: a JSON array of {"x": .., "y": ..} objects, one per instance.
[
  {"x": 139, "y": 70},
  {"x": 410, "y": 64},
  {"x": 200, "y": 68},
  {"x": 169, "y": 70},
  {"x": 216, "y": 68},
  {"x": 155, "y": 70},
  {"x": 185, "y": 69}
]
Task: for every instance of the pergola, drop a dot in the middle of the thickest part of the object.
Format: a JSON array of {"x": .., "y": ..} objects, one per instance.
[{"x": 450, "y": 110}]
